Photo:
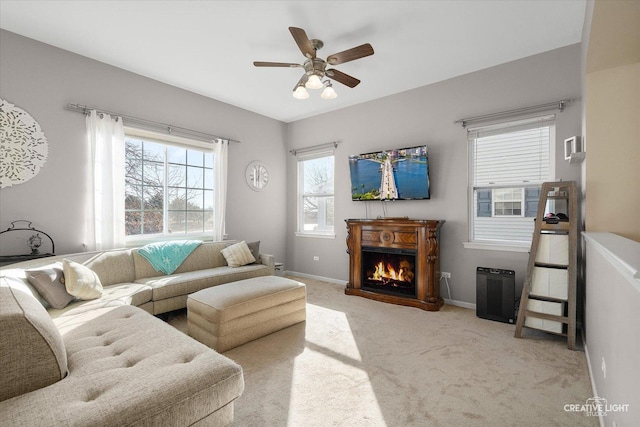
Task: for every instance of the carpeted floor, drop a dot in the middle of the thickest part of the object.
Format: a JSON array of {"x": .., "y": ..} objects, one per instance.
[{"x": 357, "y": 362}]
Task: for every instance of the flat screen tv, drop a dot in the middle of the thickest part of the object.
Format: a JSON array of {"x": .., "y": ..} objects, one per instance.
[{"x": 396, "y": 174}]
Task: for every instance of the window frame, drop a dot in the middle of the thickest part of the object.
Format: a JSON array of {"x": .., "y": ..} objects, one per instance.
[
  {"x": 167, "y": 141},
  {"x": 547, "y": 120},
  {"x": 329, "y": 232}
]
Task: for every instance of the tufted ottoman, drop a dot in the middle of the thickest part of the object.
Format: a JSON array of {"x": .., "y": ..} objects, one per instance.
[{"x": 232, "y": 314}]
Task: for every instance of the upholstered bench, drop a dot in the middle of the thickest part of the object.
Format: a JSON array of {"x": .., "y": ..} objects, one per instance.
[{"x": 232, "y": 314}]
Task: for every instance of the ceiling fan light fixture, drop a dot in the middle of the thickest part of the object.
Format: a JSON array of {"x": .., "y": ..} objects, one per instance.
[
  {"x": 315, "y": 69},
  {"x": 300, "y": 93},
  {"x": 329, "y": 92},
  {"x": 314, "y": 82}
]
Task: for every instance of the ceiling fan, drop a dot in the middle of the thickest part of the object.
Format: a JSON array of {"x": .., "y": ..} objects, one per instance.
[{"x": 315, "y": 69}]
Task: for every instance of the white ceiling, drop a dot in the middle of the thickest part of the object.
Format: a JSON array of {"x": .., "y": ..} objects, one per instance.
[{"x": 208, "y": 47}]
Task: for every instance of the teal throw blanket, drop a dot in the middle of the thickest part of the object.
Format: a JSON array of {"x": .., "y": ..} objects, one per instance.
[{"x": 167, "y": 256}]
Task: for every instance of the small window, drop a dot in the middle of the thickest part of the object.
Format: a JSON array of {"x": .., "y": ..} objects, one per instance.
[
  {"x": 508, "y": 164},
  {"x": 508, "y": 202},
  {"x": 315, "y": 194},
  {"x": 168, "y": 186}
]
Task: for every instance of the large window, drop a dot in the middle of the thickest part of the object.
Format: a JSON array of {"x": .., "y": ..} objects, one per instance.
[
  {"x": 168, "y": 187},
  {"x": 315, "y": 194},
  {"x": 508, "y": 164}
]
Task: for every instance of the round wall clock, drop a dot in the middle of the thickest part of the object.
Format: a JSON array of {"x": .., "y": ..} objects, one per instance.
[
  {"x": 257, "y": 175},
  {"x": 23, "y": 145}
]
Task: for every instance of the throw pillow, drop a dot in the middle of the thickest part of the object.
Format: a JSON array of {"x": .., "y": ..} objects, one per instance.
[
  {"x": 49, "y": 282},
  {"x": 26, "y": 287},
  {"x": 81, "y": 281},
  {"x": 254, "y": 247},
  {"x": 238, "y": 254}
]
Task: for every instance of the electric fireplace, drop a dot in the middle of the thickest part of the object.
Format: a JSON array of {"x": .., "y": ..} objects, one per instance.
[
  {"x": 390, "y": 271},
  {"x": 395, "y": 260}
]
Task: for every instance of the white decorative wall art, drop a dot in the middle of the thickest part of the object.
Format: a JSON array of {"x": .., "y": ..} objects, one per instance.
[{"x": 23, "y": 146}]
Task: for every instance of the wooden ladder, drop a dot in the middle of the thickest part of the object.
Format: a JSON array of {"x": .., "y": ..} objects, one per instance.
[{"x": 548, "y": 301}]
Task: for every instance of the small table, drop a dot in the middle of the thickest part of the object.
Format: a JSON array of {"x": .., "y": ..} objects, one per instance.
[
  {"x": 35, "y": 241},
  {"x": 279, "y": 268},
  {"x": 12, "y": 259}
]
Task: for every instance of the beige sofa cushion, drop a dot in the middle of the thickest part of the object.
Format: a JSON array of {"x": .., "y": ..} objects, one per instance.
[
  {"x": 184, "y": 284},
  {"x": 225, "y": 303},
  {"x": 205, "y": 256},
  {"x": 130, "y": 368},
  {"x": 113, "y": 267},
  {"x": 112, "y": 296},
  {"x": 33, "y": 354}
]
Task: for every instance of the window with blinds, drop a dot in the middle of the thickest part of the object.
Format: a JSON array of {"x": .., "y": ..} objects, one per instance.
[{"x": 508, "y": 164}]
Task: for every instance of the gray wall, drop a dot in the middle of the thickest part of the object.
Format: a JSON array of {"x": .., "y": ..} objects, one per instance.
[
  {"x": 426, "y": 115},
  {"x": 42, "y": 79}
]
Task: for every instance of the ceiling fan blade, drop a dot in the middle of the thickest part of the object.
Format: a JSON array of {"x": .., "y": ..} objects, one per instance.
[
  {"x": 350, "y": 54},
  {"x": 303, "y": 42},
  {"x": 343, "y": 78},
  {"x": 275, "y": 64}
]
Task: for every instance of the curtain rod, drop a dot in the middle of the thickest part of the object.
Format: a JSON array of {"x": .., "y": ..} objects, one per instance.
[
  {"x": 297, "y": 151},
  {"x": 169, "y": 128},
  {"x": 559, "y": 105}
]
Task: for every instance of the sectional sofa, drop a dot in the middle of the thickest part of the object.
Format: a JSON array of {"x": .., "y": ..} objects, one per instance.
[{"x": 108, "y": 360}]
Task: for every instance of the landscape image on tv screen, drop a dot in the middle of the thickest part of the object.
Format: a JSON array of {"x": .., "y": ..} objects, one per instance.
[{"x": 398, "y": 174}]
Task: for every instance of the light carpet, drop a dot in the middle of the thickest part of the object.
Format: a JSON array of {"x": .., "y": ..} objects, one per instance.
[{"x": 358, "y": 362}]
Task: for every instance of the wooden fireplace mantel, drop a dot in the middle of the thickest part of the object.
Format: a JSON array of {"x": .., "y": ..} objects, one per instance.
[{"x": 421, "y": 236}]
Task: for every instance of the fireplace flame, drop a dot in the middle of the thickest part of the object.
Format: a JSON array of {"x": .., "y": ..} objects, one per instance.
[{"x": 388, "y": 272}]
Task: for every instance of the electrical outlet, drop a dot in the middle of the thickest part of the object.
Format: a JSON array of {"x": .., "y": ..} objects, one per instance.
[
  {"x": 604, "y": 368},
  {"x": 445, "y": 275},
  {"x": 316, "y": 258}
]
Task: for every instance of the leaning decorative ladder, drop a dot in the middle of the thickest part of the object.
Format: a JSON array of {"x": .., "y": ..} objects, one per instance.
[{"x": 548, "y": 299}]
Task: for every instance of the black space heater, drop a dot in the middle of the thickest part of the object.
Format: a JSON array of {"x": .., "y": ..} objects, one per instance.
[{"x": 495, "y": 294}]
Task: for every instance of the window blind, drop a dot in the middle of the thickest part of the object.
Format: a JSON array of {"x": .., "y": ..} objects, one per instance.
[{"x": 514, "y": 153}]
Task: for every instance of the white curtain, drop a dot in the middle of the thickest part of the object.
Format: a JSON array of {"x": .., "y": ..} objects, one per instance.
[
  {"x": 105, "y": 216},
  {"x": 220, "y": 154}
]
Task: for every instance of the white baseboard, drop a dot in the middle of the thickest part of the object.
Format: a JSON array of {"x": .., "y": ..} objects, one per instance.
[
  {"x": 591, "y": 377},
  {"x": 462, "y": 304},
  {"x": 313, "y": 276}
]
